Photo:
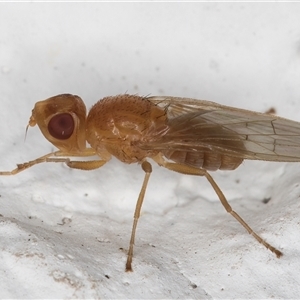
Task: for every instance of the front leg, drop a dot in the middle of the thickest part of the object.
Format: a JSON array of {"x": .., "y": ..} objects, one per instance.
[
  {"x": 57, "y": 158},
  {"x": 29, "y": 164}
]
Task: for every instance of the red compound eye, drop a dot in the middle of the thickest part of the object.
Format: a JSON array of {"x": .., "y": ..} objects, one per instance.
[{"x": 61, "y": 126}]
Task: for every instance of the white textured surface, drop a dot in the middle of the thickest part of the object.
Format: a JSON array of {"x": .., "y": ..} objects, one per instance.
[{"x": 62, "y": 229}]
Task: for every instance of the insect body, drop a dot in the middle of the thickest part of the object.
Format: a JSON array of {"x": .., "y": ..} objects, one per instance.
[{"x": 183, "y": 135}]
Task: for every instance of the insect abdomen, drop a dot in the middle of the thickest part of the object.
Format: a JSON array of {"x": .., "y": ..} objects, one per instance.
[{"x": 206, "y": 160}]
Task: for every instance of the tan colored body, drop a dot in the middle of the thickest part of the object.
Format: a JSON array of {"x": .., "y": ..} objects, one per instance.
[{"x": 121, "y": 125}]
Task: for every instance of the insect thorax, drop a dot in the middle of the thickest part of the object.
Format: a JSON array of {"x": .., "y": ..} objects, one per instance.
[{"x": 116, "y": 124}]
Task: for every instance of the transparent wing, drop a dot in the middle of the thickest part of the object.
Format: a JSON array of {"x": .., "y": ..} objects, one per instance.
[{"x": 197, "y": 125}]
